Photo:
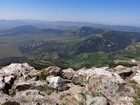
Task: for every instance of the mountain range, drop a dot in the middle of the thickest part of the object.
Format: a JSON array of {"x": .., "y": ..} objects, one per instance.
[
  {"x": 66, "y": 44},
  {"x": 7, "y": 24}
]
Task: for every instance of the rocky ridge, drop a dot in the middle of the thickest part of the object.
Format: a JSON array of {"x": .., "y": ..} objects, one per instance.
[{"x": 21, "y": 84}]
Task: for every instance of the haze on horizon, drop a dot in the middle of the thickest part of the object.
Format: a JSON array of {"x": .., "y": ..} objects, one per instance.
[{"x": 116, "y": 12}]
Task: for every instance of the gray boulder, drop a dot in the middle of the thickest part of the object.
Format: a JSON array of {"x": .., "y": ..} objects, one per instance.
[
  {"x": 79, "y": 80},
  {"x": 124, "y": 101},
  {"x": 136, "y": 77},
  {"x": 68, "y": 73},
  {"x": 53, "y": 70},
  {"x": 4, "y": 97},
  {"x": 17, "y": 69},
  {"x": 96, "y": 100},
  {"x": 111, "y": 85},
  {"x": 57, "y": 83},
  {"x": 33, "y": 97}
]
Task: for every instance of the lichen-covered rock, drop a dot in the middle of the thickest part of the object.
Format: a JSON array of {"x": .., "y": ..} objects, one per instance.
[
  {"x": 136, "y": 74},
  {"x": 2, "y": 73},
  {"x": 17, "y": 69},
  {"x": 83, "y": 75},
  {"x": 68, "y": 73},
  {"x": 91, "y": 71},
  {"x": 33, "y": 97},
  {"x": 106, "y": 83},
  {"x": 105, "y": 86},
  {"x": 124, "y": 101},
  {"x": 80, "y": 97},
  {"x": 103, "y": 72},
  {"x": 53, "y": 70},
  {"x": 4, "y": 97},
  {"x": 136, "y": 78},
  {"x": 121, "y": 69},
  {"x": 136, "y": 68},
  {"x": 79, "y": 80},
  {"x": 94, "y": 86},
  {"x": 96, "y": 100},
  {"x": 80, "y": 77}
]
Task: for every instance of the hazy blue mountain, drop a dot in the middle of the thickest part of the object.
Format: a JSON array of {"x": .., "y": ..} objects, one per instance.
[
  {"x": 7, "y": 24},
  {"x": 32, "y": 30},
  {"x": 25, "y": 29},
  {"x": 4, "y": 24}
]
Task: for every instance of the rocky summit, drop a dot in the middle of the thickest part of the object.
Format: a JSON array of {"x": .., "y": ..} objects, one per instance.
[{"x": 21, "y": 84}]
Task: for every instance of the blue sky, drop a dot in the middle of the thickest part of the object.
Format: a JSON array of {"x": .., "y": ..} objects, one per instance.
[{"x": 121, "y": 12}]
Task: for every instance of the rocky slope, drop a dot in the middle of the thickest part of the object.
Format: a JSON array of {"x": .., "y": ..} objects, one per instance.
[{"x": 21, "y": 84}]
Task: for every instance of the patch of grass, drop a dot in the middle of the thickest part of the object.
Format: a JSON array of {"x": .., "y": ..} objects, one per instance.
[
  {"x": 81, "y": 103},
  {"x": 64, "y": 95},
  {"x": 131, "y": 52},
  {"x": 126, "y": 64},
  {"x": 76, "y": 62},
  {"x": 61, "y": 97},
  {"x": 136, "y": 87},
  {"x": 83, "y": 95},
  {"x": 137, "y": 102},
  {"x": 46, "y": 89},
  {"x": 43, "y": 75},
  {"x": 9, "y": 51},
  {"x": 89, "y": 60},
  {"x": 63, "y": 104}
]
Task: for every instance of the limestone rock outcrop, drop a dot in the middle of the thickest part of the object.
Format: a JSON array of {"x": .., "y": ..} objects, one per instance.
[{"x": 21, "y": 83}]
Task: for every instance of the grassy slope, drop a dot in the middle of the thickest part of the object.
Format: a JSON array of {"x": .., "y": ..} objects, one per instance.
[
  {"x": 131, "y": 52},
  {"x": 9, "y": 44},
  {"x": 88, "y": 60}
]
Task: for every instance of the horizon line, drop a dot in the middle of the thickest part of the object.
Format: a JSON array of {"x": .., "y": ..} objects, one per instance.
[{"x": 84, "y": 22}]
